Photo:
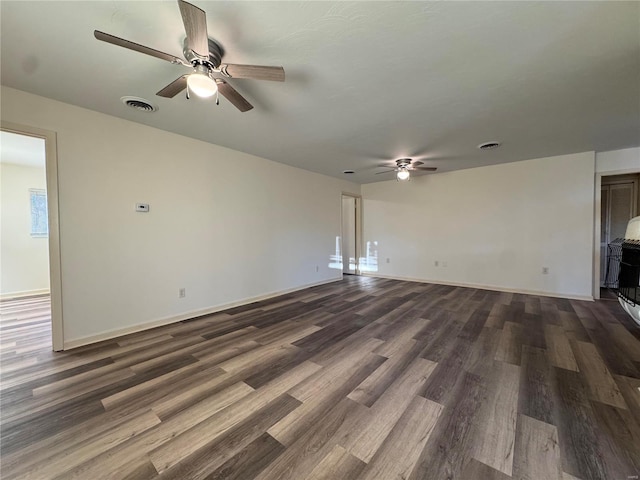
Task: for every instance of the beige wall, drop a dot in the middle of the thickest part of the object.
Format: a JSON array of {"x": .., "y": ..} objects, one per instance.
[
  {"x": 24, "y": 260},
  {"x": 494, "y": 226},
  {"x": 224, "y": 235}
]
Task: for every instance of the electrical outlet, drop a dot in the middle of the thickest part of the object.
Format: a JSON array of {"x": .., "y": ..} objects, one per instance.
[
  {"x": 545, "y": 270},
  {"x": 182, "y": 293},
  {"x": 317, "y": 268},
  {"x": 388, "y": 260},
  {"x": 436, "y": 263}
]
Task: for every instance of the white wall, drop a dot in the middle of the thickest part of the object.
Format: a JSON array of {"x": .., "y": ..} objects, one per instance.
[
  {"x": 618, "y": 161},
  {"x": 493, "y": 226},
  {"x": 24, "y": 260},
  {"x": 225, "y": 236}
]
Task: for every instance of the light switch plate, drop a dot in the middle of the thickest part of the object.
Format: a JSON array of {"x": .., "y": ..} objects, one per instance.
[{"x": 142, "y": 207}]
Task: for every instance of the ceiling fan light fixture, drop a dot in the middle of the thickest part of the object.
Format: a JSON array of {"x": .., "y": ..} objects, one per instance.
[
  {"x": 200, "y": 83},
  {"x": 403, "y": 174}
]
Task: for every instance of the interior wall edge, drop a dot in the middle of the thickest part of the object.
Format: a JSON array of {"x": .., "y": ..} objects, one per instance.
[
  {"x": 496, "y": 288},
  {"x": 119, "y": 332},
  {"x": 22, "y": 294}
]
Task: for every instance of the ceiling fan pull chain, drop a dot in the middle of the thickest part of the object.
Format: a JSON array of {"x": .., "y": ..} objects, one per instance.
[
  {"x": 188, "y": 97},
  {"x": 217, "y": 97}
]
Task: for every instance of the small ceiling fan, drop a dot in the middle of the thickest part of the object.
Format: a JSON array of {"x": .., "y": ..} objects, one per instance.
[
  {"x": 204, "y": 56},
  {"x": 404, "y": 167}
]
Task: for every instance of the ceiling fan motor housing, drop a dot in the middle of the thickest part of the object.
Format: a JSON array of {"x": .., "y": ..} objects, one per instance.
[
  {"x": 403, "y": 162},
  {"x": 215, "y": 54}
]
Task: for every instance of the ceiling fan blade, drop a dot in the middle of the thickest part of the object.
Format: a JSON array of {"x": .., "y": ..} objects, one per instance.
[
  {"x": 121, "y": 42},
  {"x": 195, "y": 24},
  {"x": 174, "y": 88},
  {"x": 415, "y": 163},
  {"x": 233, "y": 96},
  {"x": 256, "y": 72},
  {"x": 426, "y": 169}
]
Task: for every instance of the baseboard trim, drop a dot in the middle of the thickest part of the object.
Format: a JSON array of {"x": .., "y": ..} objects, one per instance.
[
  {"x": 26, "y": 293},
  {"x": 587, "y": 298},
  {"x": 108, "y": 335}
]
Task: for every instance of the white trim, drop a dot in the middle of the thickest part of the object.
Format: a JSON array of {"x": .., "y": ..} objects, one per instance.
[
  {"x": 55, "y": 270},
  {"x": 25, "y": 293},
  {"x": 79, "y": 342},
  {"x": 486, "y": 287}
]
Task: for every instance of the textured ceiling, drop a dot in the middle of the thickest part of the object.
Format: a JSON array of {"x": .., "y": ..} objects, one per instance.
[{"x": 366, "y": 81}]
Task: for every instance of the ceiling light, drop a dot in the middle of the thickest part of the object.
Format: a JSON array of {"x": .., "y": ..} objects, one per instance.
[
  {"x": 201, "y": 83},
  {"x": 403, "y": 174}
]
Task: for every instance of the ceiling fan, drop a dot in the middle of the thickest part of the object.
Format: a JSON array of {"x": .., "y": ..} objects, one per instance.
[
  {"x": 404, "y": 167},
  {"x": 204, "y": 56}
]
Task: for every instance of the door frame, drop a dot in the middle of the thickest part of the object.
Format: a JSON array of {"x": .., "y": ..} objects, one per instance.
[
  {"x": 595, "y": 281},
  {"x": 358, "y": 232},
  {"x": 610, "y": 182},
  {"x": 55, "y": 271}
]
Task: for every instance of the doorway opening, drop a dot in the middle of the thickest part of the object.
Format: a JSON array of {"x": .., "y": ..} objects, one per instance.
[
  {"x": 619, "y": 203},
  {"x": 30, "y": 286},
  {"x": 351, "y": 234}
]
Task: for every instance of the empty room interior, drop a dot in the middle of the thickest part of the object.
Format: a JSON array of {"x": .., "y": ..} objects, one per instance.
[{"x": 320, "y": 240}]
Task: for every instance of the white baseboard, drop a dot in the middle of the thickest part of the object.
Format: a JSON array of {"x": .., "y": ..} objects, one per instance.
[
  {"x": 496, "y": 288},
  {"x": 26, "y": 293},
  {"x": 79, "y": 342}
]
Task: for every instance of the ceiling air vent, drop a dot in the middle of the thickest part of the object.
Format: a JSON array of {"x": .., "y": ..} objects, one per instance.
[
  {"x": 139, "y": 104},
  {"x": 489, "y": 145}
]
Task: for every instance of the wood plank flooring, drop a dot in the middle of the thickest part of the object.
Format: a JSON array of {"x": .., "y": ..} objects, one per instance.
[{"x": 359, "y": 379}]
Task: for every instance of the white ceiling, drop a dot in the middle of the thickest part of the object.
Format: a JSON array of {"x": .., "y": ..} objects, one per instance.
[
  {"x": 21, "y": 150},
  {"x": 366, "y": 81}
]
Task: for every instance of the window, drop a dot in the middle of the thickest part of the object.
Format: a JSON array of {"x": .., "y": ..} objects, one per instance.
[{"x": 39, "y": 216}]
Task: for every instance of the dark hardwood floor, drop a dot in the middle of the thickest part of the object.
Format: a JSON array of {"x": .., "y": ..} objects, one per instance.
[{"x": 359, "y": 379}]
